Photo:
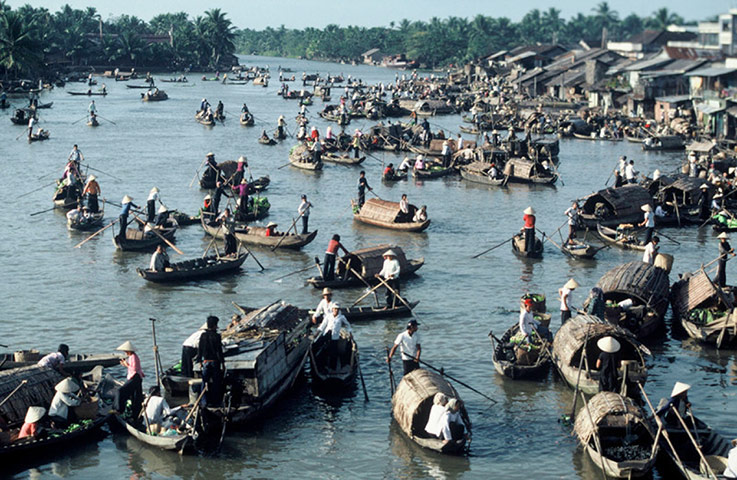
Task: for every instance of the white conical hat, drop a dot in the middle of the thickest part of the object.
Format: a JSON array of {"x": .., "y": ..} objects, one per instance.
[
  {"x": 334, "y": 305},
  {"x": 208, "y": 197},
  {"x": 163, "y": 209},
  {"x": 126, "y": 347},
  {"x": 389, "y": 253},
  {"x": 571, "y": 284},
  {"x": 127, "y": 199},
  {"x": 242, "y": 158},
  {"x": 155, "y": 190},
  {"x": 723, "y": 235},
  {"x": 34, "y": 414},
  {"x": 90, "y": 178},
  {"x": 529, "y": 211},
  {"x": 679, "y": 388},
  {"x": 272, "y": 224},
  {"x": 646, "y": 208},
  {"x": 66, "y": 386},
  {"x": 608, "y": 345}
]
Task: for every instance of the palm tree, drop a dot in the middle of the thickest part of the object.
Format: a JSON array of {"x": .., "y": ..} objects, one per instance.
[
  {"x": 605, "y": 15},
  {"x": 552, "y": 23},
  {"x": 19, "y": 51},
  {"x": 661, "y": 18},
  {"x": 221, "y": 35}
]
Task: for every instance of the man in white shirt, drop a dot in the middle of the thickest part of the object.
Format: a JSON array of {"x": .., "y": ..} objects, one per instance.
[
  {"x": 323, "y": 308},
  {"x": 409, "y": 345},
  {"x": 405, "y": 165},
  {"x": 330, "y": 328},
  {"x": 731, "y": 470},
  {"x": 156, "y": 410},
  {"x": 648, "y": 222},
  {"x": 189, "y": 351},
  {"x": 651, "y": 250},
  {"x": 630, "y": 174},
  {"x": 390, "y": 273},
  {"x": 527, "y": 322},
  {"x": 565, "y": 294},
  {"x": 159, "y": 260},
  {"x": 304, "y": 211}
]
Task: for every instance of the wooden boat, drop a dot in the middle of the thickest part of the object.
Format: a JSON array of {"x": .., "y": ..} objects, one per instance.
[
  {"x": 367, "y": 262},
  {"x": 476, "y": 172},
  {"x": 596, "y": 138},
  {"x": 13, "y": 450},
  {"x": 663, "y": 143},
  {"x": 247, "y": 120},
  {"x": 522, "y": 170},
  {"x": 384, "y": 214},
  {"x": 344, "y": 373},
  {"x": 301, "y": 157},
  {"x": 76, "y": 363},
  {"x": 88, "y": 94},
  {"x": 571, "y": 341},
  {"x": 136, "y": 240},
  {"x": 515, "y": 362},
  {"x": 364, "y": 312},
  {"x": 577, "y": 249},
  {"x": 182, "y": 443},
  {"x": 200, "y": 118},
  {"x": 636, "y": 294},
  {"x": 411, "y": 403},
  {"x": 343, "y": 159},
  {"x": 620, "y": 238},
  {"x": 174, "y": 80},
  {"x": 157, "y": 96},
  {"x": 714, "y": 447},
  {"x": 432, "y": 172},
  {"x": 518, "y": 247},
  {"x": 92, "y": 221},
  {"x": 219, "y": 117},
  {"x": 612, "y": 206},
  {"x": 140, "y": 87},
  {"x": 621, "y": 429},
  {"x": 266, "y": 141},
  {"x": 398, "y": 176},
  {"x": 44, "y": 105},
  {"x": 257, "y": 236},
  {"x": 64, "y": 199},
  {"x": 270, "y": 347},
  {"x": 38, "y": 137},
  {"x": 196, "y": 268},
  {"x": 226, "y": 171},
  {"x": 92, "y": 122}
]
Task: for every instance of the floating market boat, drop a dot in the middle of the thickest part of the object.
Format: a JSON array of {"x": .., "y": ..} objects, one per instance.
[
  {"x": 257, "y": 236},
  {"x": 624, "y": 237},
  {"x": 196, "y": 268},
  {"x": 515, "y": 358},
  {"x": 518, "y": 247},
  {"x": 137, "y": 240},
  {"x": 342, "y": 372},
  {"x": 385, "y": 214}
]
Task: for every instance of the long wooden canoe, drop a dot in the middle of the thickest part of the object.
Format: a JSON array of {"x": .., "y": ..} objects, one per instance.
[
  {"x": 518, "y": 245},
  {"x": 180, "y": 443},
  {"x": 628, "y": 242},
  {"x": 77, "y": 362},
  {"x": 480, "y": 177},
  {"x": 136, "y": 240},
  {"x": 195, "y": 268},
  {"x": 342, "y": 159},
  {"x": 257, "y": 236},
  {"x": 344, "y": 373}
]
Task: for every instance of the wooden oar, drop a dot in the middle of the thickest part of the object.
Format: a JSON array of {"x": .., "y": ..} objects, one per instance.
[
  {"x": 197, "y": 173},
  {"x": 693, "y": 441},
  {"x": 360, "y": 375},
  {"x": 43, "y": 211},
  {"x": 578, "y": 378},
  {"x": 157, "y": 360},
  {"x": 104, "y": 173},
  {"x": 365, "y": 294},
  {"x": 319, "y": 269},
  {"x": 396, "y": 295},
  {"x": 359, "y": 276},
  {"x": 36, "y": 189},
  {"x": 23, "y": 382},
  {"x": 164, "y": 239},
  {"x": 251, "y": 254},
  {"x": 732, "y": 315},
  {"x": 669, "y": 238},
  {"x": 214, "y": 237},
  {"x": 286, "y": 234},
  {"x": 293, "y": 273},
  {"x": 492, "y": 248},
  {"x": 442, "y": 372},
  {"x": 391, "y": 374},
  {"x": 77, "y": 121},
  {"x": 97, "y": 233},
  {"x": 661, "y": 427},
  {"x": 107, "y": 120}
]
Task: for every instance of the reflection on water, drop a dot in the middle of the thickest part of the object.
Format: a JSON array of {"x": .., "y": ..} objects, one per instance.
[{"x": 420, "y": 462}]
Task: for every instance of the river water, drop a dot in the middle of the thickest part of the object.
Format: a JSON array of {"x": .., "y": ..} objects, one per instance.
[{"x": 92, "y": 298}]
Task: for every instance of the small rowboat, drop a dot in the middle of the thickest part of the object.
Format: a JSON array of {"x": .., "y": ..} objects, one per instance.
[
  {"x": 257, "y": 236},
  {"x": 38, "y": 137},
  {"x": 596, "y": 138},
  {"x": 518, "y": 247},
  {"x": 142, "y": 87},
  {"x": 343, "y": 373},
  {"x": 180, "y": 443},
  {"x": 411, "y": 405},
  {"x": 92, "y": 122},
  {"x": 88, "y": 94},
  {"x": 508, "y": 356},
  {"x": 195, "y": 268},
  {"x": 44, "y": 105},
  {"x": 200, "y": 117},
  {"x": 136, "y": 240},
  {"x": 298, "y": 163},
  {"x": 76, "y": 362},
  {"x": 625, "y": 242},
  {"x": 266, "y": 141},
  {"x": 247, "y": 120},
  {"x": 342, "y": 159},
  {"x": 158, "y": 96},
  {"x": 30, "y": 447},
  {"x": 577, "y": 249},
  {"x": 432, "y": 172},
  {"x": 478, "y": 176},
  {"x": 395, "y": 178},
  {"x": 85, "y": 223},
  {"x": 384, "y": 214},
  {"x": 370, "y": 313}
]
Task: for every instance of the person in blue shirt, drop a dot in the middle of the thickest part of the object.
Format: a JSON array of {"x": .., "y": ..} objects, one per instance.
[{"x": 127, "y": 203}]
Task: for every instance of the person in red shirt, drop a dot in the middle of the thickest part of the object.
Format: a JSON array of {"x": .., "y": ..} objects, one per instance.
[
  {"x": 529, "y": 219},
  {"x": 30, "y": 426},
  {"x": 328, "y": 268},
  {"x": 389, "y": 171},
  {"x": 270, "y": 229}
]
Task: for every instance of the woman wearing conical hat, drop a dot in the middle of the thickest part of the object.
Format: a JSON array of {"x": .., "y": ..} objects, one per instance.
[
  {"x": 565, "y": 300},
  {"x": 65, "y": 397},
  {"x": 30, "y": 423},
  {"x": 132, "y": 389},
  {"x": 608, "y": 364}
]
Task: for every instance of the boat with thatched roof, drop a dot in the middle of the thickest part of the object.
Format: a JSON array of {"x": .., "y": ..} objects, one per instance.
[
  {"x": 367, "y": 262},
  {"x": 578, "y": 337},
  {"x": 617, "y": 435},
  {"x": 522, "y": 170},
  {"x": 386, "y": 214},
  {"x": 411, "y": 404},
  {"x": 636, "y": 295},
  {"x": 612, "y": 206}
]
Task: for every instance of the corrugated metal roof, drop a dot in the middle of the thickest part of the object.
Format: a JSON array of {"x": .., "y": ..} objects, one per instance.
[
  {"x": 709, "y": 109},
  {"x": 673, "y": 98},
  {"x": 648, "y": 64},
  {"x": 711, "y": 72}
]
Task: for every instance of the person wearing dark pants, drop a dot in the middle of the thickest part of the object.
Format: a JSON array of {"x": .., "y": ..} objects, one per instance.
[
  {"x": 529, "y": 219},
  {"x": 210, "y": 354},
  {"x": 153, "y": 196},
  {"x": 725, "y": 250},
  {"x": 328, "y": 268},
  {"x": 390, "y": 272},
  {"x": 648, "y": 222},
  {"x": 565, "y": 300},
  {"x": 123, "y": 217},
  {"x": 132, "y": 389},
  {"x": 304, "y": 212},
  {"x": 408, "y": 343},
  {"x": 362, "y": 186}
]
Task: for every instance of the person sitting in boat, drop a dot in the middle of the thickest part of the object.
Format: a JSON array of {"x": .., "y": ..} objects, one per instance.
[
  {"x": 30, "y": 426},
  {"x": 404, "y": 214},
  {"x": 157, "y": 409},
  {"x": 264, "y": 135},
  {"x": 608, "y": 364},
  {"x": 678, "y": 401},
  {"x": 451, "y": 426},
  {"x": 271, "y": 230},
  {"x": 211, "y": 169},
  {"x": 437, "y": 412},
  {"x": 389, "y": 171},
  {"x": 529, "y": 228},
  {"x": 56, "y": 359},
  {"x": 420, "y": 162},
  {"x": 132, "y": 388},
  {"x": 527, "y": 323},
  {"x": 405, "y": 165},
  {"x": 329, "y": 331},
  {"x": 493, "y": 172},
  {"x": 90, "y": 193},
  {"x": 159, "y": 260},
  {"x": 420, "y": 215},
  {"x": 65, "y": 397}
]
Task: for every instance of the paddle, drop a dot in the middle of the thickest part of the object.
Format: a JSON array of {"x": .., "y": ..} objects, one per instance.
[
  {"x": 43, "y": 211},
  {"x": 360, "y": 277},
  {"x": 693, "y": 441},
  {"x": 578, "y": 377},
  {"x": 286, "y": 234},
  {"x": 391, "y": 374},
  {"x": 77, "y": 121},
  {"x": 37, "y": 189},
  {"x": 360, "y": 375},
  {"x": 661, "y": 427},
  {"x": 494, "y": 247},
  {"x": 214, "y": 237},
  {"x": 442, "y": 372},
  {"x": 23, "y": 382},
  {"x": 669, "y": 238},
  {"x": 366, "y": 294},
  {"x": 164, "y": 239},
  {"x": 97, "y": 233},
  {"x": 251, "y": 254},
  {"x": 597, "y": 440},
  {"x": 396, "y": 295},
  {"x": 104, "y": 173},
  {"x": 107, "y": 120},
  {"x": 293, "y": 273},
  {"x": 319, "y": 269}
]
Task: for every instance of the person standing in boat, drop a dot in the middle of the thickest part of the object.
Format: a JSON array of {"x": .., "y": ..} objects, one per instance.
[
  {"x": 404, "y": 214},
  {"x": 127, "y": 203},
  {"x": 92, "y": 109},
  {"x": 280, "y": 126},
  {"x": 362, "y": 186},
  {"x": 618, "y": 180},
  {"x": 90, "y": 193},
  {"x": 242, "y": 191},
  {"x": 329, "y": 330},
  {"x": 210, "y": 354},
  {"x": 153, "y": 197},
  {"x": 565, "y": 294},
  {"x": 608, "y": 364},
  {"x": 573, "y": 214},
  {"x": 446, "y": 153},
  {"x": 159, "y": 260},
  {"x": 211, "y": 169},
  {"x": 76, "y": 156},
  {"x": 529, "y": 228},
  {"x": 328, "y": 268},
  {"x": 596, "y": 303},
  {"x": 390, "y": 272},
  {"x": 356, "y": 143},
  {"x": 651, "y": 250},
  {"x": 304, "y": 212},
  {"x": 679, "y": 402},
  {"x": 408, "y": 343},
  {"x": 527, "y": 322},
  {"x": 630, "y": 174},
  {"x": 316, "y": 151},
  {"x": 132, "y": 389},
  {"x": 648, "y": 222},
  {"x": 227, "y": 223},
  {"x": 189, "y": 351},
  {"x": 704, "y": 202},
  {"x": 323, "y": 308},
  {"x": 725, "y": 250}
]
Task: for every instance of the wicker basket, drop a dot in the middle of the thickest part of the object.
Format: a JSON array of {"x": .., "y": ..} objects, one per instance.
[
  {"x": 526, "y": 358},
  {"x": 87, "y": 410},
  {"x": 27, "y": 356}
]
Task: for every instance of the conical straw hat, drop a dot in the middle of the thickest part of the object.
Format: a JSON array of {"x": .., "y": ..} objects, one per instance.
[
  {"x": 66, "y": 386},
  {"x": 529, "y": 211},
  {"x": 34, "y": 414},
  {"x": 571, "y": 284},
  {"x": 127, "y": 199},
  {"x": 126, "y": 347},
  {"x": 679, "y": 388},
  {"x": 608, "y": 345}
]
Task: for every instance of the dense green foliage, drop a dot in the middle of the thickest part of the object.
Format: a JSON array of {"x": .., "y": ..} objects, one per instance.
[
  {"x": 451, "y": 40},
  {"x": 31, "y": 37}
]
